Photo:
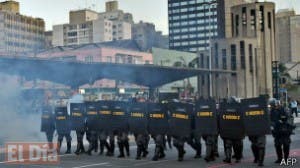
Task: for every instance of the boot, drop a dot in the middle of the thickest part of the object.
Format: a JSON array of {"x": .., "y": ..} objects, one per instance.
[
  {"x": 58, "y": 146},
  {"x": 255, "y": 153},
  {"x": 181, "y": 153},
  {"x": 279, "y": 154},
  {"x": 101, "y": 147},
  {"x": 261, "y": 156},
  {"x": 91, "y": 148},
  {"x": 82, "y": 150},
  {"x": 121, "y": 149},
  {"x": 112, "y": 148},
  {"x": 162, "y": 153},
  {"x": 209, "y": 154},
  {"x": 78, "y": 148},
  {"x": 156, "y": 154},
  {"x": 126, "y": 144},
  {"x": 138, "y": 153},
  {"x": 228, "y": 156},
  {"x": 68, "y": 148},
  {"x": 198, "y": 154},
  {"x": 96, "y": 146}
]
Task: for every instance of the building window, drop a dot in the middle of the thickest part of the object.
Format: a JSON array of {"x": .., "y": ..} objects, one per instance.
[
  {"x": 202, "y": 60},
  {"x": 224, "y": 59},
  {"x": 250, "y": 57},
  {"x": 262, "y": 18},
  {"x": 71, "y": 34},
  {"x": 217, "y": 55},
  {"x": 253, "y": 19},
  {"x": 88, "y": 59},
  {"x": 242, "y": 52},
  {"x": 237, "y": 25},
  {"x": 244, "y": 16},
  {"x": 269, "y": 20},
  {"x": 233, "y": 57}
]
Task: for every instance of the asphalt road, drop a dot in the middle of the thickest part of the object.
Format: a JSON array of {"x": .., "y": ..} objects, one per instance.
[{"x": 85, "y": 161}]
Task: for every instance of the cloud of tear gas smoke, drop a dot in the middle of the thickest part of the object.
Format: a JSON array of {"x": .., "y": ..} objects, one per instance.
[{"x": 17, "y": 123}]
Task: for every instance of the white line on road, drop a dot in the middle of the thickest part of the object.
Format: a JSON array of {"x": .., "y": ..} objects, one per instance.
[{"x": 92, "y": 165}]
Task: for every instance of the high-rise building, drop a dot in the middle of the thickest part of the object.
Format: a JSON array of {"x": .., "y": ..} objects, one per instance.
[
  {"x": 287, "y": 36},
  {"x": 192, "y": 23},
  {"x": 249, "y": 53},
  {"x": 19, "y": 33}
]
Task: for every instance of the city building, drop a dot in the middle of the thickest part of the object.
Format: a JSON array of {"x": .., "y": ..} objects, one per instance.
[
  {"x": 48, "y": 39},
  {"x": 84, "y": 28},
  {"x": 287, "y": 36},
  {"x": 87, "y": 26},
  {"x": 191, "y": 24},
  {"x": 224, "y": 16},
  {"x": 249, "y": 52},
  {"x": 147, "y": 37},
  {"x": 122, "y": 51},
  {"x": 112, "y": 12},
  {"x": 19, "y": 34},
  {"x": 173, "y": 58}
]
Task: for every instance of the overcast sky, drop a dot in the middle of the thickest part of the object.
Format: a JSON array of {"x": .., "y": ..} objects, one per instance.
[{"x": 155, "y": 11}]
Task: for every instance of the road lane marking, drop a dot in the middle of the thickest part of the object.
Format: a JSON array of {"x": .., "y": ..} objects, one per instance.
[{"x": 92, "y": 165}]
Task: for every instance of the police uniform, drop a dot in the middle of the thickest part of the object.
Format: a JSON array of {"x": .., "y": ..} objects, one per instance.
[
  {"x": 77, "y": 111},
  {"x": 282, "y": 136},
  {"x": 48, "y": 123},
  {"x": 138, "y": 124},
  {"x": 62, "y": 122},
  {"x": 91, "y": 125},
  {"x": 158, "y": 127},
  {"x": 180, "y": 126},
  {"x": 231, "y": 130}
]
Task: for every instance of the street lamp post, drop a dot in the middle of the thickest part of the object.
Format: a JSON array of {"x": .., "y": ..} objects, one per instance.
[{"x": 209, "y": 4}]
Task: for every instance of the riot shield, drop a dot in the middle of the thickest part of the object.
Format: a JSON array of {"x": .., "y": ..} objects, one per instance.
[
  {"x": 62, "y": 120},
  {"x": 47, "y": 120},
  {"x": 206, "y": 122},
  {"x": 104, "y": 112},
  {"x": 180, "y": 119},
  {"x": 91, "y": 115},
  {"x": 256, "y": 117},
  {"x": 157, "y": 119},
  {"x": 119, "y": 120},
  {"x": 77, "y": 112},
  {"x": 231, "y": 121},
  {"x": 137, "y": 119}
]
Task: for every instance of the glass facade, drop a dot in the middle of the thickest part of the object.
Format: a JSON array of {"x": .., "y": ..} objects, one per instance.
[{"x": 191, "y": 24}]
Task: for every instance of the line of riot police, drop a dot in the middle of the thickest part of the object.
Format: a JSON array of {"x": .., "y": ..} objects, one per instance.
[{"x": 184, "y": 122}]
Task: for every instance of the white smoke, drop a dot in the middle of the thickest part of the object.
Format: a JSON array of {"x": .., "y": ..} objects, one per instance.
[{"x": 17, "y": 123}]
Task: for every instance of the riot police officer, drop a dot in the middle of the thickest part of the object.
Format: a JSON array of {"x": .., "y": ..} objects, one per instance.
[
  {"x": 138, "y": 123},
  {"x": 48, "y": 123},
  {"x": 257, "y": 125},
  {"x": 62, "y": 123},
  {"x": 91, "y": 125},
  {"x": 77, "y": 111},
  {"x": 282, "y": 136},
  {"x": 231, "y": 129},
  {"x": 206, "y": 125},
  {"x": 180, "y": 126},
  {"x": 158, "y": 127}
]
